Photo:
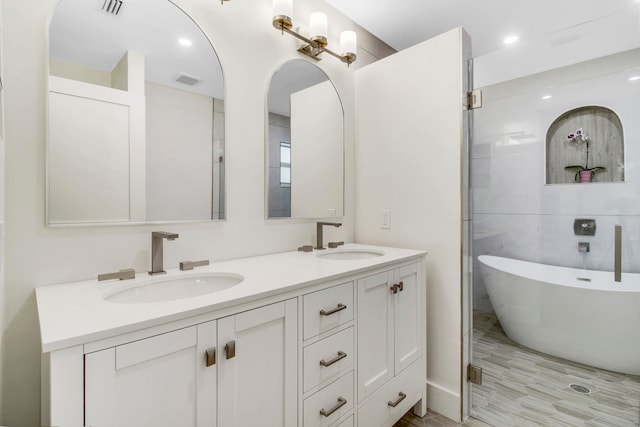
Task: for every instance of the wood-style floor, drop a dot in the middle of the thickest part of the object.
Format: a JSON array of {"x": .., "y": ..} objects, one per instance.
[
  {"x": 523, "y": 387},
  {"x": 433, "y": 419}
]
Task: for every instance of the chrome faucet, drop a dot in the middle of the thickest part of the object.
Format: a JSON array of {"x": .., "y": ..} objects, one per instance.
[
  {"x": 617, "y": 256},
  {"x": 157, "y": 253},
  {"x": 319, "y": 244}
]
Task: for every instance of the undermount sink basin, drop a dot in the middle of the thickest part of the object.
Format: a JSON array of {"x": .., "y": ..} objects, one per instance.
[
  {"x": 350, "y": 254},
  {"x": 169, "y": 289}
]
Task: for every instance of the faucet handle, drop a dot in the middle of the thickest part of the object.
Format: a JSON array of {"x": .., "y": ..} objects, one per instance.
[
  {"x": 125, "y": 274},
  {"x": 165, "y": 235},
  {"x": 335, "y": 224},
  {"x": 305, "y": 248},
  {"x": 189, "y": 265},
  {"x": 334, "y": 245}
]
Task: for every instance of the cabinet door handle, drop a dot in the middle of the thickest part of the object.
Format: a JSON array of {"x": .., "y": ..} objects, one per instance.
[
  {"x": 211, "y": 356},
  {"x": 401, "y": 286},
  {"x": 394, "y": 289},
  {"x": 230, "y": 349},
  {"x": 341, "y": 402},
  {"x": 341, "y": 355},
  {"x": 340, "y": 307},
  {"x": 397, "y": 402}
]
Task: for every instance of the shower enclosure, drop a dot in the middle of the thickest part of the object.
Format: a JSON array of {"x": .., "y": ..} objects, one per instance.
[{"x": 532, "y": 137}]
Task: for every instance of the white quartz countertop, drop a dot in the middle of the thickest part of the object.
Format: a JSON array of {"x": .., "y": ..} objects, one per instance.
[{"x": 77, "y": 313}]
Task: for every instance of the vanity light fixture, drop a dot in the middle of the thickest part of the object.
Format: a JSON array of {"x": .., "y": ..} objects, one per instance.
[{"x": 317, "y": 42}]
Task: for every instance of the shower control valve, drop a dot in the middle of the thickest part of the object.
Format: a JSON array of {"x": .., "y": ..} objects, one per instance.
[
  {"x": 583, "y": 246},
  {"x": 584, "y": 227}
]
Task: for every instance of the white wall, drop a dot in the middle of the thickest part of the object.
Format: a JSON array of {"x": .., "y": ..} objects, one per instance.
[
  {"x": 179, "y": 149},
  {"x": 409, "y": 137},
  {"x": 250, "y": 51},
  {"x": 316, "y": 152}
]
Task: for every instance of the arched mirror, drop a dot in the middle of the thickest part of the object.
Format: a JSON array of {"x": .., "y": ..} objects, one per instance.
[
  {"x": 135, "y": 115},
  {"x": 305, "y": 145}
]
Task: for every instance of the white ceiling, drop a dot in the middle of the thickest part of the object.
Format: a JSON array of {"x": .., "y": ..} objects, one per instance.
[
  {"x": 82, "y": 33},
  {"x": 407, "y": 22}
]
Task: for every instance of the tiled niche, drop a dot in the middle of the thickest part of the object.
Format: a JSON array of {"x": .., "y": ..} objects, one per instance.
[{"x": 590, "y": 137}]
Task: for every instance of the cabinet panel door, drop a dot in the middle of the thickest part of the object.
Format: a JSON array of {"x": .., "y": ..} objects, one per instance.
[
  {"x": 257, "y": 380},
  {"x": 151, "y": 382},
  {"x": 407, "y": 317},
  {"x": 375, "y": 333}
]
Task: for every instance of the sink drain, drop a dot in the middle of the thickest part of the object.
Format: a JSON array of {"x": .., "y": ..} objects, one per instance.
[{"x": 579, "y": 388}]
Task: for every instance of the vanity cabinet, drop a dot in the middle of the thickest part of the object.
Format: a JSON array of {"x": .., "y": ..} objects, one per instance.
[
  {"x": 229, "y": 372},
  {"x": 345, "y": 349},
  {"x": 390, "y": 341}
]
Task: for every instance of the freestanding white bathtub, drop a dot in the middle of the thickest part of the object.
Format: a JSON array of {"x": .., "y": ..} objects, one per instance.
[{"x": 579, "y": 315}]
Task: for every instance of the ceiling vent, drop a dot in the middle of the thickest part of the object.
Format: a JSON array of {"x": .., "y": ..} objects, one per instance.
[
  {"x": 112, "y": 7},
  {"x": 187, "y": 79}
]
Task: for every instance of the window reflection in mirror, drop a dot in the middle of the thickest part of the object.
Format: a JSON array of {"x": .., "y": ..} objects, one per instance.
[
  {"x": 136, "y": 116},
  {"x": 305, "y": 147}
]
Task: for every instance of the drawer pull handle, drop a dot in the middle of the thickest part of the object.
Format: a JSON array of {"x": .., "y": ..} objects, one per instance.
[
  {"x": 341, "y": 355},
  {"x": 211, "y": 356},
  {"x": 341, "y": 402},
  {"x": 230, "y": 349},
  {"x": 397, "y": 402},
  {"x": 401, "y": 286},
  {"x": 394, "y": 289},
  {"x": 340, "y": 307}
]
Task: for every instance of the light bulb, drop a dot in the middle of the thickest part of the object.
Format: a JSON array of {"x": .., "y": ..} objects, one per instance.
[
  {"x": 282, "y": 11},
  {"x": 348, "y": 42},
  {"x": 318, "y": 28}
]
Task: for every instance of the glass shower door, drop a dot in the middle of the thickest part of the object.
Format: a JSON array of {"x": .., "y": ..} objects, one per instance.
[{"x": 558, "y": 347}]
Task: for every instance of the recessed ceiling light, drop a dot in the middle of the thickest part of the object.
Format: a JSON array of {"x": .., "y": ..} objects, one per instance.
[
  {"x": 632, "y": 78},
  {"x": 546, "y": 96},
  {"x": 185, "y": 42},
  {"x": 511, "y": 39}
]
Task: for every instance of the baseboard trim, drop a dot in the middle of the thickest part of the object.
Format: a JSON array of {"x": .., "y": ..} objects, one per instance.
[{"x": 443, "y": 401}]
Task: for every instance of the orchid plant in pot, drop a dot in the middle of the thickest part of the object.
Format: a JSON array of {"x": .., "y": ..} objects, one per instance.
[{"x": 583, "y": 173}]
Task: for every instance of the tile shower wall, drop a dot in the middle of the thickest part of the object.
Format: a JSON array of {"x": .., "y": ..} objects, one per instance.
[
  {"x": 279, "y": 196},
  {"x": 515, "y": 214}
]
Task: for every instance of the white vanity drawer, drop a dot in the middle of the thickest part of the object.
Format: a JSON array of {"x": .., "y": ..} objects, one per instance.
[
  {"x": 335, "y": 400},
  {"x": 378, "y": 411},
  {"x": 328, "y": 358},
  {"x": 349, "y": 422},
  {"x": 327, "y": 309}
]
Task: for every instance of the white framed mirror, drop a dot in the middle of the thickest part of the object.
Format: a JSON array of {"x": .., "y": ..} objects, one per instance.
[
  {"x": 304, "y": 144},
  {"x": 135, "y": 116}
]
